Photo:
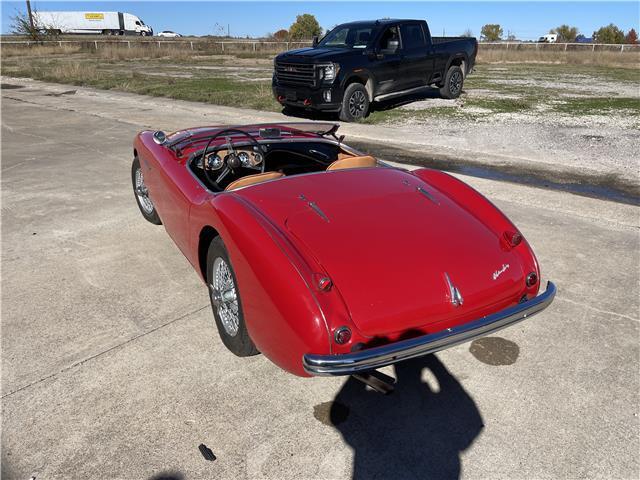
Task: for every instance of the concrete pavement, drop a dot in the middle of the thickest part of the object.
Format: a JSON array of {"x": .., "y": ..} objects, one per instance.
[{"x": 111, "y": 365}]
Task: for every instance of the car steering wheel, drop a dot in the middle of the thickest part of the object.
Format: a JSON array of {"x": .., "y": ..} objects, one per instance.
[{"x": 233, "y": 161}]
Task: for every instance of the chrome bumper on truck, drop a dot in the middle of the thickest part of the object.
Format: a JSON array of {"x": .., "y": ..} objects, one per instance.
[{"x": 376, "y": 357}]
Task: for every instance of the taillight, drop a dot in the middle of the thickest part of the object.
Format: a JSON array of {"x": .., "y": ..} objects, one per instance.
[
  {"x": 532, "y": 279},
  {"x": 342, "y": 335},
  {"x": 324, "y": 284},
  {"x": 513, "y": 238}
]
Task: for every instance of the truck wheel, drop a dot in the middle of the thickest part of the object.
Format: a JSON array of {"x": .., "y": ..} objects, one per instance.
[
  {"x": 143, "y": 34},
  {"x": 355, "y": 103},
  {"x": 226, "y": 302},
  {"x": 453, "y": 81}
]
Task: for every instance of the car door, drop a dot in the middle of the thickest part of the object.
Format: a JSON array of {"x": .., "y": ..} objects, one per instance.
[
  {"x": 176, "y": 191},
  {"x": 388, "y": 64},
  {"x": 417, "y": 62}
]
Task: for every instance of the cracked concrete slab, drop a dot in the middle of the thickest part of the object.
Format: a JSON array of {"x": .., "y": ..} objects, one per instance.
[{"x": 111, "y": 365}]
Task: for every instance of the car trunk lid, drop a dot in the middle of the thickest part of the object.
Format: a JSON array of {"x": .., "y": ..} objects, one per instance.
[{"x": 395, "y": 247}]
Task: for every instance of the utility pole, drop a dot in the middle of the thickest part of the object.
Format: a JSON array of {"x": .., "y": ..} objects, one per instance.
[{"x": 30, "y": 16}]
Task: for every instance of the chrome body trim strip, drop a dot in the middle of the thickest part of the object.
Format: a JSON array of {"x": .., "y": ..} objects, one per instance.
[
  {"x": 428, "y": 195},
  {"x": 376, "y": 357}
]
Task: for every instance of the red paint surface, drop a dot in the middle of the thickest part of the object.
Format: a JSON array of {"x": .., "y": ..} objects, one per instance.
[{"x": 386, "y": 247}]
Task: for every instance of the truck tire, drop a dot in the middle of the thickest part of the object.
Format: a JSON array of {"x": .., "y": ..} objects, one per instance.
[
  {"x": 453, "y": 82},
  {"x": 143, "y": 34},
  {"x": 355, "y": 103}
]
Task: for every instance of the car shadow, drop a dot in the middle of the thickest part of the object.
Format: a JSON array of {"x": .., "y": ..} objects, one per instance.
[
  {"x": 418, "y": 431},
  {"x": 426, "y": 94}
]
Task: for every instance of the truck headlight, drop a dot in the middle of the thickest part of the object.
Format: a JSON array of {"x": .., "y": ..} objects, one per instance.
[{"x": 329, "y": 72}]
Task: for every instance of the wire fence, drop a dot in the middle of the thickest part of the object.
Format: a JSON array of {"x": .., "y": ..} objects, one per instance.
[{"x": 238, "y": 46}]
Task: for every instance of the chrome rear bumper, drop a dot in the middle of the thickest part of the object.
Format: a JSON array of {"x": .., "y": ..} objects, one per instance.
[{"x": 376, "y": 357}]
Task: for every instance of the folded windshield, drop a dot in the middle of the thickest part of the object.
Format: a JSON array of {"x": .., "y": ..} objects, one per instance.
[{"x": 349, "y": 36}]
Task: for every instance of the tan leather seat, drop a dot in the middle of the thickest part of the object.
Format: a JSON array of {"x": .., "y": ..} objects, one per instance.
[
  {"x": 253, "y": 179},
  {"x": 353, "y": 162}
]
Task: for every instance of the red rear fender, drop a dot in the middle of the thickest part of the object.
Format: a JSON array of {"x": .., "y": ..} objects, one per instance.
[{"x": 285, "y": 316}]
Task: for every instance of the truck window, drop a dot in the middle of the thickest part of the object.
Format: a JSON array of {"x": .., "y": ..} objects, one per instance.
[
  {"x": 353, "y": 37},
  {"x": 390, "y": 40},
  {"x": 412, "y": 36}
]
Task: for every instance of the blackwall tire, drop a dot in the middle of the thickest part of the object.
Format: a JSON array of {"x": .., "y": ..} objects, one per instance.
[
  {"x": 453, "y": 83},
  {"x": 226, "y": 301},
  {"x": 355, "y": 103},
  {"x": 141, "y": 194}
]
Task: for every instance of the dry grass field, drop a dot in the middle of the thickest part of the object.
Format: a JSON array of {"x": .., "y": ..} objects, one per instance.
[{"x": 525, "y": 82}]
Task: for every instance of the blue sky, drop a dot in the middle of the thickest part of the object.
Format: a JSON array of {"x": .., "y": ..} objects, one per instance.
[{"x": 528, "y": 20}]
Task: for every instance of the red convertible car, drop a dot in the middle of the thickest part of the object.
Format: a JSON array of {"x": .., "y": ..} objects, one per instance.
[{"x": 328, "y": 261}]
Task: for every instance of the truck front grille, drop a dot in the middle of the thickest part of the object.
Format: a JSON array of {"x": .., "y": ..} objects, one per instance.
[{"x": 296, "y": 74}]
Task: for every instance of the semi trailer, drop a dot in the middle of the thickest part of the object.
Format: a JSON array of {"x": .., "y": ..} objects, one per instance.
[{"x": 106, "y": 23}]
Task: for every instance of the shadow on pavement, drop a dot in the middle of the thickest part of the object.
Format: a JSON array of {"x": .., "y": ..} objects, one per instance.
[
  {"x": 416, "y": 432},
  {"x": 426, "y": 94}
]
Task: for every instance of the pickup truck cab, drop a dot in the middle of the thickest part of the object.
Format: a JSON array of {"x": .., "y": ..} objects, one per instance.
[{"x": 358, "y": 63}]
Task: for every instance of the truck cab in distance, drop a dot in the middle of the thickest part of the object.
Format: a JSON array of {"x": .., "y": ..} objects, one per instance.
[{"x": 358, "y": 63}]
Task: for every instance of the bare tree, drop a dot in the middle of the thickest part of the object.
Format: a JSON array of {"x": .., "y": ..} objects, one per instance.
[{"x": 22, "y": 24}]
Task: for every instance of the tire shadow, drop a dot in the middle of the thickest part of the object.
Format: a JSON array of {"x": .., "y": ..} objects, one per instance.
[{"x": 418, "y": 431}]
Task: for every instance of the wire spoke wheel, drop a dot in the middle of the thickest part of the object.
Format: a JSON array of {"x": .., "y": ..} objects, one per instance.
[
  {"x": 143, "y": 193},
  {"x": 224, "y": 297}
]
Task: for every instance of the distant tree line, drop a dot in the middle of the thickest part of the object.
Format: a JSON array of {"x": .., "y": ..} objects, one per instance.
[{"x": 493, "y": 32}]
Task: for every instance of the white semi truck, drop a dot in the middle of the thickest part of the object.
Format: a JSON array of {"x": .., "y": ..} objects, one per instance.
[{"x": 106, "y": 23}]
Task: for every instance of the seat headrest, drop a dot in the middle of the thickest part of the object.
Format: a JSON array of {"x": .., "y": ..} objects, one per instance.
[
  {"x": 353, "y": 162},
  {"x": 253, "y": 179}
]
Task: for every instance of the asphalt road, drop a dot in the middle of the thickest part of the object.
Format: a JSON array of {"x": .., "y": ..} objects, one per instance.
[{"x": 112, "y": 368}]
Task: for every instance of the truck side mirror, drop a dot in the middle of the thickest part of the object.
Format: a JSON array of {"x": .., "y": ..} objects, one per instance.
[{"x": 315, "y": 41}]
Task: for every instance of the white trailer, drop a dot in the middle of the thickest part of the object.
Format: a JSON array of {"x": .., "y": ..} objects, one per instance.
[
  {"x": 106, "y": 23},
  {"x": 549, "y": 38}
]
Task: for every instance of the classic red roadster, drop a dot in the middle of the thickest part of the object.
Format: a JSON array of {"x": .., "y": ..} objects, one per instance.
[{"x": 328, "y": 261}]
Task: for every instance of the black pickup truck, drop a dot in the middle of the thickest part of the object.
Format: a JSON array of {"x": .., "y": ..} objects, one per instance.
[{"x": 362, "y": 62}]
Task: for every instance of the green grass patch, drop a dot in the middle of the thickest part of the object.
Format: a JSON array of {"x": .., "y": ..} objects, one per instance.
[
  {"x": 216, "y": 90},
  {"x": 501, "y": 105},
  {"x": 597, "y": 105}
]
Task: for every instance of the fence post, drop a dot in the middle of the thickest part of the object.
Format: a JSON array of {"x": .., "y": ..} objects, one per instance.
[
  {"x": 191, "y": 45},
  {"x": 621, "y": 48},
  {"x": 254, "y": 46},
  {"x": 593, "y": 47},
  {"x": 565, "y": 47},
  {"x": 222, "y": 43},
  {"x": 96, "y": 42},
  {"x": 128, "y": 43},
  {"x": 158, "y": 43}
]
